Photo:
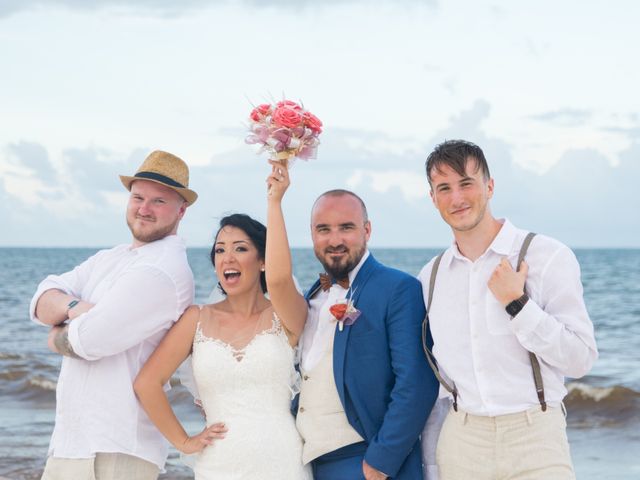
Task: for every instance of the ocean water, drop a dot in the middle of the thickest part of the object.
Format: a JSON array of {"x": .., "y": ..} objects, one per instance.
[{"x": 604, "y": 406}]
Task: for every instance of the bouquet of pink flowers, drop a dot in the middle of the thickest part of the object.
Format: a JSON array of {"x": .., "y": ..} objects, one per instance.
[{"x": 285, "y": 130}]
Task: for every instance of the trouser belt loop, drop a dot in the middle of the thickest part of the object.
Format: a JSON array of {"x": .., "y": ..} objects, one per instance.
[{"x": 528, "y": 415}]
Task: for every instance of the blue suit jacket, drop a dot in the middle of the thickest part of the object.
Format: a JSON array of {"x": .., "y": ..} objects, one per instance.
[{"x": 385, "y": 384}]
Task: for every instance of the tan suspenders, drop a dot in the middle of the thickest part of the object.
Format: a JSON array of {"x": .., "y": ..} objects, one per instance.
[{"x": 535, "y": 364}]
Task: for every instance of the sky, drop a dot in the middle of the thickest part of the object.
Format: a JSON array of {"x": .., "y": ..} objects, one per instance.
[{"x": 548, "y": 89}]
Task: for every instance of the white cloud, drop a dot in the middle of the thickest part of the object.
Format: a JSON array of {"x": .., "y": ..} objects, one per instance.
[
  {"x": 116, "y": 201},
  {"x": 411, "y": 184},
  {"x": 581, "y": 200},
  {"x": 88, "y": 88}
]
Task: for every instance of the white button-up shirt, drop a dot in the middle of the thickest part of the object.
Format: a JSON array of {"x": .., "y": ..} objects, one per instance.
[
  {"x": 480, "y": 348},
  {"x": 321, "y": 325},
  {"x": 138, "y": 293}
]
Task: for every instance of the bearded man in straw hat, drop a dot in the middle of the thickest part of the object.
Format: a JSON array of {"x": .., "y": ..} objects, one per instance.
[{"x": 107, "y": 316}]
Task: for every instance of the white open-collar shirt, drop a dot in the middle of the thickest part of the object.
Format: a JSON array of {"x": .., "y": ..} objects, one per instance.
[
  {"x": 484, "y": 351},
  {"x": 320, "y": 327},
  {"x": 138, "y": 294}
]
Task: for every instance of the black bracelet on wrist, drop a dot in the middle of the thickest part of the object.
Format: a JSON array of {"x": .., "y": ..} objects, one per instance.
[
  {"x": 72, "y": 304},
  {"x": 518, "y": 304}
]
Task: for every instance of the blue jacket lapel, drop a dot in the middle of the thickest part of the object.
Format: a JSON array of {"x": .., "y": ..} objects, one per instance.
[
  {"x": 363, "y": 277},
  {"x": 340, "y": 338}
]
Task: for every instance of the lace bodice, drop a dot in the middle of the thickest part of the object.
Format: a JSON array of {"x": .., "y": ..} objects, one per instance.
[
  {"x": 250, "y": 389},
  {"x": 239, "y": 352}
]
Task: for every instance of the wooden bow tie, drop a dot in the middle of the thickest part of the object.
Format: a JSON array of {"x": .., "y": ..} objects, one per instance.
[{"x": 326, "y": 282}]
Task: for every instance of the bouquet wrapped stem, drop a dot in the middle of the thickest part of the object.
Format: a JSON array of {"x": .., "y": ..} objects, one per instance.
[{"x": 284, "y": 157}]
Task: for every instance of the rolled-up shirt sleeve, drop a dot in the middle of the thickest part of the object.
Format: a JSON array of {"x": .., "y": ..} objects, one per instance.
[
  {"x": 140, "y": 304},
  {"x": 555, "y": 325},
  {"x": 71, "y": 283}
]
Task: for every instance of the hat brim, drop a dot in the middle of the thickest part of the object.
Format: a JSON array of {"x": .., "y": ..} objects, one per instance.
[{"x": 189, "y": 195}]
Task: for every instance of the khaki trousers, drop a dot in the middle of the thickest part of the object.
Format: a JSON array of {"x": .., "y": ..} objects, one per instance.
[
  {"x": 105, "y": 466},
  {"x": 529, "y": 445}
]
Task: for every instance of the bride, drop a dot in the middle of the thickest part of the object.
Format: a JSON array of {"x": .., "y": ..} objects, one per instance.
[{"x": 243, "y": 355}]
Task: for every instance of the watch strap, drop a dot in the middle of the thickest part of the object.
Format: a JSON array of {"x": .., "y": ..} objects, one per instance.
[{"x": 513, "y": 308}]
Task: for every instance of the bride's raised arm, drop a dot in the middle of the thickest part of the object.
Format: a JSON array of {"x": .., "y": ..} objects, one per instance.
[{"x": 288, "y": 303}]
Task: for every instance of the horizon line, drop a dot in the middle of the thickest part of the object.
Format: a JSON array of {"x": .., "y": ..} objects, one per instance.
[{"x": 309, "y": 247}]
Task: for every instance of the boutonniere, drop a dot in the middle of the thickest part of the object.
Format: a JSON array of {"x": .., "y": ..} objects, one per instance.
[{"x": 344, "y": 311}]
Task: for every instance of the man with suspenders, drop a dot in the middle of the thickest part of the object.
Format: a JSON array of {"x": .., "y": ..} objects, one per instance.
[{"x": 508, "y": 321}]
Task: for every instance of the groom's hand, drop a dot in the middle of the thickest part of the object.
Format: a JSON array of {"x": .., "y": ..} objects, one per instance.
[{"x": 371, "y": 473}]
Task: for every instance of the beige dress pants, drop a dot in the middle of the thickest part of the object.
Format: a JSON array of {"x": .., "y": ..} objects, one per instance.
[
  {"x": 530, "y": 445},
  {"x": 105, "y": 466}
]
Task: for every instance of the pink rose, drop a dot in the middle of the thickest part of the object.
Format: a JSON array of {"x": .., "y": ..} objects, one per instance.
[
  {"x": 290, "y": 104},
  {"x": 285, "y": 116},
  {"x": 260, "y": 112},
  {"x": 312, "y": 122}
]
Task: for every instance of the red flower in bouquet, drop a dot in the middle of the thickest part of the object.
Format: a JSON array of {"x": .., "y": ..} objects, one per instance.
[
  {"x": 285, "y": 129},
  {"x": 312, "y": 122},
  {"x": 260, "y": 112},
  {"x": 285, "y": 116},
  {"x": 289, "y": 103}
]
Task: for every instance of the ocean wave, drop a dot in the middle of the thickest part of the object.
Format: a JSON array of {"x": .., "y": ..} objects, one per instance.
[
  {"x": 40, "y": 383},
  {"x": 35, "y": 388},
  {"x": 21, "y": 385},
  {"x": 589, "y": 405},
  {"x": 10, "y": 356},
  {"x": 582, "y": 393},
  {"x": 24, "y": 377}
]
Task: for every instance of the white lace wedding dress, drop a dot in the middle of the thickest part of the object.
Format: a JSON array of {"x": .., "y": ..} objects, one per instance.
[{"x": 250, "y": 391}]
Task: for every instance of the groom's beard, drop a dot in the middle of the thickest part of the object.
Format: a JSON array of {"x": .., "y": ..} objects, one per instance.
[{"x": 340, "y": 267}]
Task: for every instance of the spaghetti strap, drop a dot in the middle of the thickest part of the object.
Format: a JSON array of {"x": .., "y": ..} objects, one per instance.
[{"x": 199, "y": 335}]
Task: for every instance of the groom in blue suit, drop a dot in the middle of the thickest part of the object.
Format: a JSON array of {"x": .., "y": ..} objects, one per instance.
[{"x": 367, "y": 389}]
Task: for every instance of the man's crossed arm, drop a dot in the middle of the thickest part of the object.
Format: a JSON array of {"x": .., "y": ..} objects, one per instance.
[{"x": 54, "y": 308}]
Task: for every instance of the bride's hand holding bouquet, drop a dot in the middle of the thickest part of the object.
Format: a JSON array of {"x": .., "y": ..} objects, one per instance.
[
  {"x": 278, "y": 180},
  {"x": 286, "y": 131}
]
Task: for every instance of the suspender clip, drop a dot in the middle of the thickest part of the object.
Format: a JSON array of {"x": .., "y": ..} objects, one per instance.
[{"x": 542, "y": 401}]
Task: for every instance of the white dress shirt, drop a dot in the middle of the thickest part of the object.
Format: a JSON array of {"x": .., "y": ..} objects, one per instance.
[
  {"x": 484, "y": 351},
  {"x": 138, "y": 293},
  {"x": 321, "y": 325}
]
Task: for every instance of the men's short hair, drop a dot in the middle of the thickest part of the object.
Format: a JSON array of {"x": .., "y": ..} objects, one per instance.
[
  {"x": 339, "y": 192},
  {"x": 455, "y": 154}
]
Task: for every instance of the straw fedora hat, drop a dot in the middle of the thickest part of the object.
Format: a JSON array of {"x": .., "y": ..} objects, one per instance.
[{"x": 165, "y": 169}]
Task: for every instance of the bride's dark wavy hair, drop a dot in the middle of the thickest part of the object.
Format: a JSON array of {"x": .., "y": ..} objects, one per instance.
[{"x": 256, "y": 232}]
